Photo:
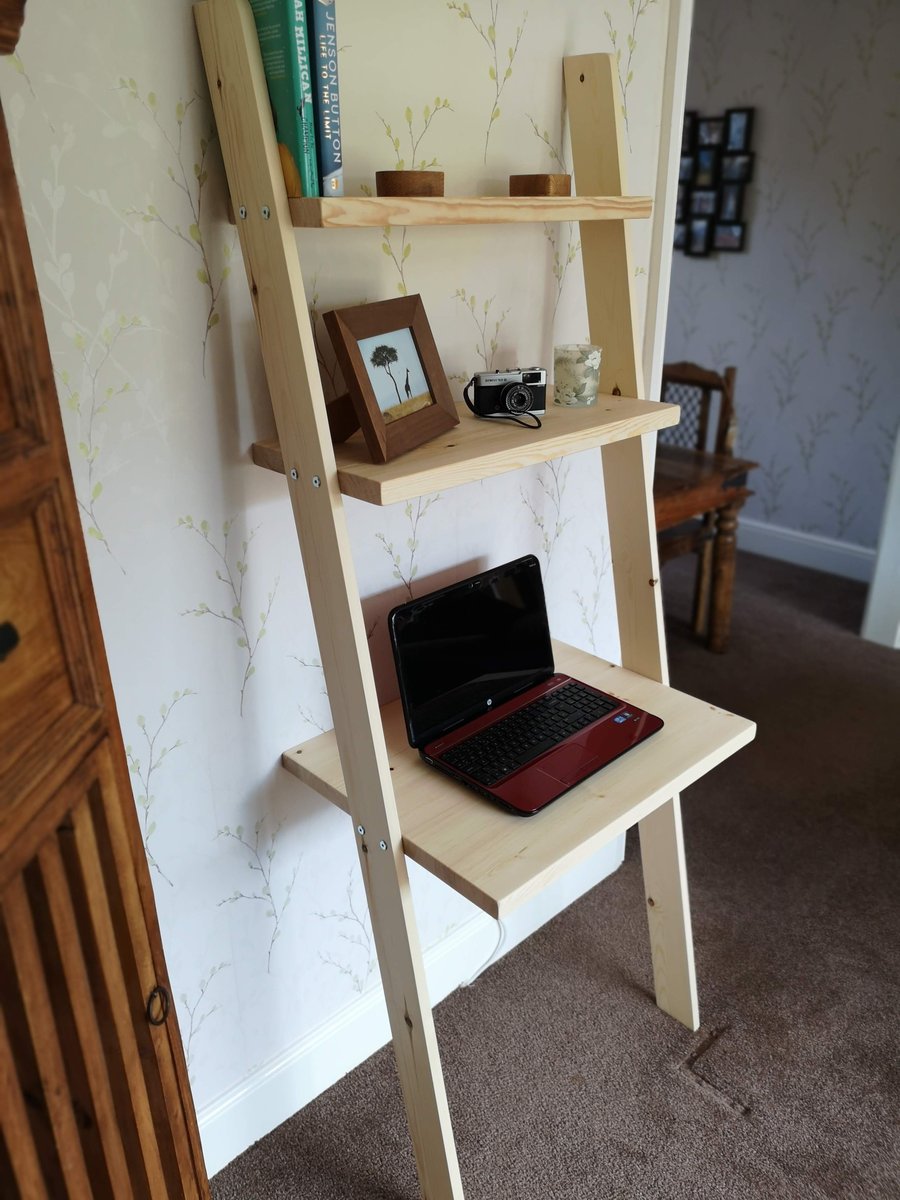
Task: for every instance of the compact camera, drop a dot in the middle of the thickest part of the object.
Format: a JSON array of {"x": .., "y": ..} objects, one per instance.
[{"x": 505, "y": 393}]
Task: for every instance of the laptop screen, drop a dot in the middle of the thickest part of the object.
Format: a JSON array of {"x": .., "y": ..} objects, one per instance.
[{"x": 470, "y": 647}]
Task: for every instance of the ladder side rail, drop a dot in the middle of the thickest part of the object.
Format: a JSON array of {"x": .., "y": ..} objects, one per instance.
[
  {"x": 240, "y": 103},
  {"x": 598, "y": 153}
]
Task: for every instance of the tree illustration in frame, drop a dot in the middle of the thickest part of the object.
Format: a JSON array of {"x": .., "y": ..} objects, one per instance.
[
  {"x": 384, "y": 356},
  {"x": 393, "y": 373},
  {"x": 386, "y": 353}
]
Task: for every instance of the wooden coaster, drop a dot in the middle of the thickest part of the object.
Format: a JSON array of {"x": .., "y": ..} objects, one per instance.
[
  {"x": 540, "y": 185},
  {"x": 409, "y": 183}
]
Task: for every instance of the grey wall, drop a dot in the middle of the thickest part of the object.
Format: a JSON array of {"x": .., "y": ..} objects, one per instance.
[{"x": 809, "y": 315}]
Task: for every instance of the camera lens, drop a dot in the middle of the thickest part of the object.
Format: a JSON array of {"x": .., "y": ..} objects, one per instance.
[{"x": 518, "y": 398}]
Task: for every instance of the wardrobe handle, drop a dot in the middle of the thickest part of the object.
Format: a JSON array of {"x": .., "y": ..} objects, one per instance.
[{"x": 158, "y": 1004}]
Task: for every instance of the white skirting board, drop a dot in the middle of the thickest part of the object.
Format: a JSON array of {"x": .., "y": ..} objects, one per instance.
[
  {"x": 807, "y": 549},
  {"x": 282, "y": 1086},
  {"x": 882, "y": 620}
]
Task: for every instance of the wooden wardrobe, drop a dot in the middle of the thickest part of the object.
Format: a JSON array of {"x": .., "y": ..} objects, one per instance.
[{"x": 95, "y": 1096}]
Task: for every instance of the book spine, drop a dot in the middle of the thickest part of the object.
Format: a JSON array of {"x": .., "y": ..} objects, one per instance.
[
  {"x": 326, "y": 95},
  {"x": 281, "y": 30},
  {"x": 303, "y": 93}
]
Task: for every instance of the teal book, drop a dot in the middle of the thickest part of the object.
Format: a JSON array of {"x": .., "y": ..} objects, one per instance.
[
  {"x": 326, "y": 95},
  {"x": 283, "y": 41}
]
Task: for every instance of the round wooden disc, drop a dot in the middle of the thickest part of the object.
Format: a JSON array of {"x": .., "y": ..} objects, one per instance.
[
  {"x": 540, "y": 185},
  {"x": 409, "y": 183}
]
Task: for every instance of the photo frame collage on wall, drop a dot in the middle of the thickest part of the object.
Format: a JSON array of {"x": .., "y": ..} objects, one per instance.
[{"x": 716, "y": 166}]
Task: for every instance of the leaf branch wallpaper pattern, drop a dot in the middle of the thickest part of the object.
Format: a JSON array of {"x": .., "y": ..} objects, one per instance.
[
  {"x": 231, "y": 575},
  {"x": 190, "y": 183},
  {"x": 809, "y": 314},
  {"x": 144, "y": 762},
  {"x": 156, "y": 353}
]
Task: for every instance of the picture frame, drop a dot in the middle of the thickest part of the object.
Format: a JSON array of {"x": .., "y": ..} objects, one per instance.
[
  {"x": 368, "y": 340},
  {"x": 686, "y": 169},
  {"x": 731, "y": 202},
  {"x": 706, "y": 174},
  {"x": 704, "y": 202},
  {"x": 699, "y": 237},
  {"x": 737, "y": 168},
  {"x": 680, "y": 239},
  {"x": 710, "y": 131},
  {"x": 738, "y": 130},
  {"x": 689, "y": 131},
  {"x": 729, "y": 236},
  {"x": 682, "y": 201}
]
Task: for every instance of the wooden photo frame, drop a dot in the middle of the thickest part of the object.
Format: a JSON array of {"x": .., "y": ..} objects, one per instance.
[{"x": 411, "y": 403}]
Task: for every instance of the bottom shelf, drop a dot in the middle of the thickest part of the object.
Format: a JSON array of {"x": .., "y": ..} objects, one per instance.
[{"x": 498, "y": 860}]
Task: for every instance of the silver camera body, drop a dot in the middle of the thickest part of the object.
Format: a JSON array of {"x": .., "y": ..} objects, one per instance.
[{"x": 510, "y": 393}]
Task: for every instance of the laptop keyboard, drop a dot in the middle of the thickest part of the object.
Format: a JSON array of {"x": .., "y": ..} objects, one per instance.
[{"x": 502, "y": 748}]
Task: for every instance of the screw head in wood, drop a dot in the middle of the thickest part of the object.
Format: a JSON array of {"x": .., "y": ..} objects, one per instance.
[
  {"x": 243, "y": 211},
  {"x": 293, "y": 472},
  {"x": 265, "y": 212},
  {"x": 383, "y": 844},
  {"x": 317, "y": 482},
  {"x": 360, "y": 829}
]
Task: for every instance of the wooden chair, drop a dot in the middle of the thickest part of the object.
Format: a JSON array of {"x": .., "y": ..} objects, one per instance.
[{"x": 699, "y": 489}]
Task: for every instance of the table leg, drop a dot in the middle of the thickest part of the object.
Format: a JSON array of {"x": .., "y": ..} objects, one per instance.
[
  {"x": 703, "y": 578},
  {"x": 725, "y": 546}
]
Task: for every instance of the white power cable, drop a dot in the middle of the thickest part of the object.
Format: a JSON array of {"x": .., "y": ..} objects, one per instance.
[{"x": 493, "y": 956}]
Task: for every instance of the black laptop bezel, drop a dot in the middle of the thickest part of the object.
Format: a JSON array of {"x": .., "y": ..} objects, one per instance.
[{"x": 527, "y": 562}]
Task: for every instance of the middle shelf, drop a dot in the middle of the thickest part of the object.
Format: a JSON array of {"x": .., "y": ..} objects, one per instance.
[
  {"x": 475, "y": 449},
  {"x": 498, "y": 860}
]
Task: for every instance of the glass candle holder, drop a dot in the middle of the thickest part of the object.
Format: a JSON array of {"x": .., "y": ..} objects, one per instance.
[{"x": 576, "y": 375}]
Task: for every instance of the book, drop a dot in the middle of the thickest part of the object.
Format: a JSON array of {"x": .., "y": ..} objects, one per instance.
[
  {"x": 281, "y": 28},
  {"x": 326, "y": 96}
]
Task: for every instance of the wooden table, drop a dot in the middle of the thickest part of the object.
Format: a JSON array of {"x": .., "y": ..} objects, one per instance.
[{"x": 689, "y": 483}]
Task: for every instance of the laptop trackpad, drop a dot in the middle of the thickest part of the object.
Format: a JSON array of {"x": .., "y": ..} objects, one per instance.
[{"x": 571, "y": 763}]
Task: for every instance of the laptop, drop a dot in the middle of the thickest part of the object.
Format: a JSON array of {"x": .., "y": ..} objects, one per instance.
[{"x": 482, "y": 700}]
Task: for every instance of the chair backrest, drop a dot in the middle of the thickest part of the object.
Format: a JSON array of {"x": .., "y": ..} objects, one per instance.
[{"x": 707, "y": 407}]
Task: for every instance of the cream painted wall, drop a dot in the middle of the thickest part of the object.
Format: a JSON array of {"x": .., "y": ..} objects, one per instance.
[
  {"x": 193, "y": 551},
  {"x": 808, "y": 314}
]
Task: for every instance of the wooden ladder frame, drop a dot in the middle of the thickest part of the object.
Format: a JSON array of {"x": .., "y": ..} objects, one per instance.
[{"x": 268, "y": 243}]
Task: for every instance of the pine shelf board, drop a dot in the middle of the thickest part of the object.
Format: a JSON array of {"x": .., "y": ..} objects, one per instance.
[
  {"x": 475, "y": 449},
  {"x": 498, "y": 860},
  {"x": 359, "y": 212}
]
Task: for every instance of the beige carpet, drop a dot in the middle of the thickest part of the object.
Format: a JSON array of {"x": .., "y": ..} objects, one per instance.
[{"x": 565, "y": 1081}]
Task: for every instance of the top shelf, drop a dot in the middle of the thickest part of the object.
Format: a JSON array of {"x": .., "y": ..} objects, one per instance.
[{"x": 359, "y": 212}]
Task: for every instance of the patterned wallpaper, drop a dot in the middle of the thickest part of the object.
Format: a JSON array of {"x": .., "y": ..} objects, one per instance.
[
  {"x": 809, "y": 315},
  {"x": 193, "y": 550}
]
